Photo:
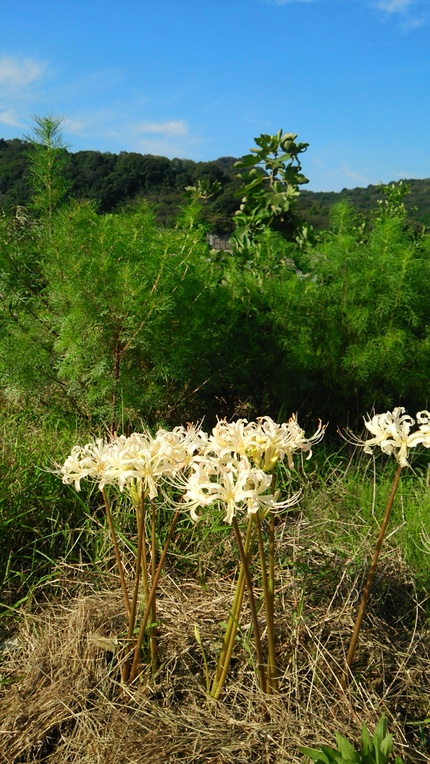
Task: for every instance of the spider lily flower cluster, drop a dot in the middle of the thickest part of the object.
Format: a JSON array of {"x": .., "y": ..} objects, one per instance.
[
  {"x": 393, "y": 433},
  {"x": 231, "y": 469},
  {"x": 139, "y": 463},
  {"x": 234, "y": 468}
]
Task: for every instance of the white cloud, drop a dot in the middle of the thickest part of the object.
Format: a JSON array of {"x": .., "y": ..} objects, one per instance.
[
  {"x": 395, "y": 6},
  {"x": 10, "y": 118},
  {"x": 345, "y": 172},
  {"x": 411, "y": 13},
  {"x": 168, "y": 129},
  {"x": 73, "y": 125},
  {"x": 16, "y": 73},
  {"x": 171, "y": 138}
]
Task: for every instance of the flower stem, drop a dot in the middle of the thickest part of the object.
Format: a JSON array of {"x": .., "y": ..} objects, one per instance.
[
  {"x": 117, "y": 555},
  {"x": 233, "y": 621},
  {"x": 144, "y": 561},
  {"x": 271, "y": 602},
  {"x": 268, "y": 599},
  {"x": 153, "y": 632},
  {"x": 256, "y": 627},
  {"x": 140, "y": 517},
  {"x": 151, "y": 598},
  {"x": 366, "y": 590}
]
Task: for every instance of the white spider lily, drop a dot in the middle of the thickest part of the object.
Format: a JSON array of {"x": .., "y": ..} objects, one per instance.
[
  {"x": 231, "y": 438},
  {"x": 89, "y": 461},
  {"x": 139, "y": 462},
  {"x": 392, "y": 433},
  {"x": 264, "y": 442},
  {"x": 235, "y": 485},
  {"x": 278, "y": 441},
  {"x": 73, "y": 469}
]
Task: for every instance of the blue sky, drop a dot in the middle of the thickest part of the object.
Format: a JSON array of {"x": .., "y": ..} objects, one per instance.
[{"x": 199, "y": 79}]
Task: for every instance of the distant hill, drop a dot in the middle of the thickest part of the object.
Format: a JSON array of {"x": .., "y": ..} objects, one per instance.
[
  {"x": 115, "y": 180},
  {"x": 314, "y": 206}
]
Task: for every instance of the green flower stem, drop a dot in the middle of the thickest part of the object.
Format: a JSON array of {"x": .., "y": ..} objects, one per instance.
[
  {"x": 256, "y": 627},
  {"x": 233, "y": 621},
  {"x": 271, "y": 576},
  {"x": 366, "y": 590},
  {"x": 271, "y": 659},
  {"x": 150, "y": 599},
  {"x": 140, "y": 517},
  {"x": 117, "y": 555}
]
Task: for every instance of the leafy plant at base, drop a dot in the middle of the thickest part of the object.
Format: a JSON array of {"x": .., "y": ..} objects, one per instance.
[{"x": 375, "y": 749}]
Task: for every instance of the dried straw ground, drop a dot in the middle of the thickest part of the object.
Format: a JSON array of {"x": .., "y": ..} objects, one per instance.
[{"x": 61, "y": 701}]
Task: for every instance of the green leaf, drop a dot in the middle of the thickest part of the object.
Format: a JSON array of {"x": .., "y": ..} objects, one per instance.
[
  {"x": 387, "y": 746},
  {"x": 346, "y": 749},
  {"x": 366, "y": 742},
  {"x": 325, "y": 755},
  {"x": 313, "y": 754},
  {"x": 380, "y": 729}
]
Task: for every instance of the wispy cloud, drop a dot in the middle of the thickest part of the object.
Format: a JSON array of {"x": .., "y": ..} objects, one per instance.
[
  {"x": 170, "y": 129},
  {"x": 118, "y": 132},
  {"x": 17, "y": 73},
  {"x": 9, "y": 117},
  {"x": 395, "y": 6},
  {"x": 170, "y": 138},
  {"x": 19, "y": 84},
  {"x": 411, "y": 13}
]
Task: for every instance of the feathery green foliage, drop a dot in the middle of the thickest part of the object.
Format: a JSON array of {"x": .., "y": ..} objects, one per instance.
[{"x": 48, "y": 163}]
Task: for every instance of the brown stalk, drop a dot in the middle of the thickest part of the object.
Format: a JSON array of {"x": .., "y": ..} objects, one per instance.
[
  {"x": 117, "y": 555},
  {"x": 366, "y": 590},
  {"x": 148, "y": 608},
  {"x": 271, "y": 685}
]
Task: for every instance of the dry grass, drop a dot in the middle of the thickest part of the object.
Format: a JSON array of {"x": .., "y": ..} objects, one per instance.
[{"x": 62, "y": 703}]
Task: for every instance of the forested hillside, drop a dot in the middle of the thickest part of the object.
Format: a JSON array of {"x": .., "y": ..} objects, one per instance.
[{"x": 115, "y": 180}]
